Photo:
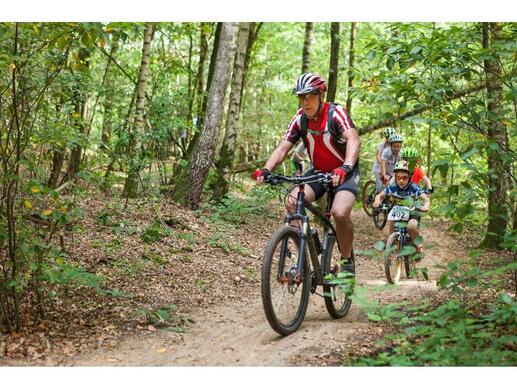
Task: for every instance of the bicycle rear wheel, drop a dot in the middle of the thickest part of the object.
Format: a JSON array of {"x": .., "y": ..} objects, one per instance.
[
  {"x": 392, "y": 261},
  {"x": 335, "y": 287},
  {"x": 284, "y": 297},
  {"x": 380, "y": 217},
  {"x": 368, "y": 197}
]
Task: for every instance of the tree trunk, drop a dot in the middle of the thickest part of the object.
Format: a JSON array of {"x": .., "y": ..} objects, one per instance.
[
  {"x": 107, "y": 118},
  {"x": 75, "y": 154},
  {"x": 58, "y": 157},
  {"x": 203, "y": 154},
  {"x": 79, "y": 114},
  {"x": 203, "y": 51},
  {"x": 351, "y": 71},
  {"x": 253, "y": 33},
  {"x": 202, "y": 110},
  {"x": 57, "y": 164},
  {"x": 498, "y": 167},
  {"x": 307, "y": 47},
  {"x": 224, "y": 166},
  {"x": 211, "y": 69},
  {"x": 137, "y": 132},
  {"x": 334, "y": 61}
]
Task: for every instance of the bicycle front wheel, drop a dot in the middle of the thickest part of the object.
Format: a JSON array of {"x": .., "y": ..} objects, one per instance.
[
  {"x": 392, "y": 260},
  {"x": 285, "y": 294},
  {"x": 380, "y": 217},
  {"x": 336, "y": 287},
  {"x": 368, "y": 197}
]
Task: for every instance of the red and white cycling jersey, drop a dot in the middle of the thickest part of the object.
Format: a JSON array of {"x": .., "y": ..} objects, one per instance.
[{"x": 327, "y": 152}]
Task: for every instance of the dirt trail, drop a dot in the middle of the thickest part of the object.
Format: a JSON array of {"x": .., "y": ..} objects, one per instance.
[{"x": 238, "y": 334}]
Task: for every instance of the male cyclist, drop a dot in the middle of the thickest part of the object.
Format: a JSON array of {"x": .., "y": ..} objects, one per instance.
[
  {"x": 333, "y": 145},
  {"x": 403, "y": 188},
  {"x": 390, "y": 156},
  {"x": 387, "y": 132}
]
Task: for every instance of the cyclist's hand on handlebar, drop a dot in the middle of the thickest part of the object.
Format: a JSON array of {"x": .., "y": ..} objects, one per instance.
[
  {"x": 424, "y": 208},
  {"x": 385, "y": 179},
  {"x": 260, "y": 174},
  {"x": 376, "y": 204},
  {"x": 339, "y": 174}
]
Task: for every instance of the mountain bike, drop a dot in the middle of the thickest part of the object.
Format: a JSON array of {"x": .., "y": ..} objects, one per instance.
[
  {"x": 296, "y": 262},
  {"x": 399, "y": 247}
]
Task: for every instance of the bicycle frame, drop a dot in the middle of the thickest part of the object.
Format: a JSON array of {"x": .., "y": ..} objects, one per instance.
[{"x": 306, "y": 238}]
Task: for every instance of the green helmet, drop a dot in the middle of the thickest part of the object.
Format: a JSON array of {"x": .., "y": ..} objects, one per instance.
[
  {"x": 388, "y": 131},
  {"x": 395, "y": 138},
  {"x": 409, "y": 153}
]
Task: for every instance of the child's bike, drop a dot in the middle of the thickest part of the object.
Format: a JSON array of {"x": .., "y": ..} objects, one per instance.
[{"x": 399, "y": 247}]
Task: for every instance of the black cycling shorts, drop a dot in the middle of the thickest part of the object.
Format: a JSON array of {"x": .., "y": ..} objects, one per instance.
[{"x": 350, "y": 184}]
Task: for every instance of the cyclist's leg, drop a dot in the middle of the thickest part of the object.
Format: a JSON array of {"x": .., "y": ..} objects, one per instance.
[
  {"x": 412, "y": 228},
  {"x": 341, "y": 210},
  {"x": 345, "y": 195},
  {"x": 310, "y": 196},
  {"x": 391, "y": 227}
]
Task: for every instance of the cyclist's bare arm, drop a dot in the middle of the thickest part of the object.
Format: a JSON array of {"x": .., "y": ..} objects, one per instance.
[
  {"x": 378, "y": 156},
  {"x": 383, "y": 168},
  {"x": 278, "y": 155},
  {"x": 353, "y": 145},
  {"x": 427, "y": 202},
  {"x": 427, "y": 182}
]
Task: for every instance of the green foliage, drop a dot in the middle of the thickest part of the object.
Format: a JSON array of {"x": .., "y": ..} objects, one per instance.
[
  {"x": 236, "y": 210},
  {"x": 455, "y": 332},
  {"x": 167, "y": 318},
  {"x": 155, "y": 232}
]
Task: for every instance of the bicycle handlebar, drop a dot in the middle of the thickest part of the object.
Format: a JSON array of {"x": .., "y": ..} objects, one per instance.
[{"x": 298, "y": 180}]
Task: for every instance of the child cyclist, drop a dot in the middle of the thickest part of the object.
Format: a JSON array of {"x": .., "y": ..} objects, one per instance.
[{"x": 403, "y": 188}]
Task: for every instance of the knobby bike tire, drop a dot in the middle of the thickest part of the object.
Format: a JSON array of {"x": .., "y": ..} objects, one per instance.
[
  {"x": 270, "y": 269},
  {"x": 392, "y": 263},
  {"x": 336, "y": 301},
  {"x": 409, "y": 265},
  {"x": 367, "y": 189},
  {"x": 380, "y": 218}
]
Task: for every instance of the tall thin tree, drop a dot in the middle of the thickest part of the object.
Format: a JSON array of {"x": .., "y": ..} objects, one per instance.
[
  {"x": 307, "y": 47},
  {"x": 204, "y": 151},
  {"x": 228, "y": 148},
  {"x": 138, "y": 127},
  {"x": 351, "y": 70},
  {"x": 497, "y": 165},
  {"x": 334, "y": 61}
]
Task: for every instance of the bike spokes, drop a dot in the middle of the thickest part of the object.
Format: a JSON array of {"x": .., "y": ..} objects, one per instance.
[{"x": 285, "y": 290}]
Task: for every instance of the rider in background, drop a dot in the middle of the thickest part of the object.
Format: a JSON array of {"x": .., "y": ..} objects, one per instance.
[
  {"x": 387, "y": 132},
  {"x": 390, "y": 156},
  {"x": 410, "y": 154},
  {"x": 333, "y": 148},
  {"x": 403, "y": 188}
]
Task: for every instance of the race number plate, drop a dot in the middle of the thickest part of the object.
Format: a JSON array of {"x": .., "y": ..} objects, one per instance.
[{"x": 399, "y": 213}]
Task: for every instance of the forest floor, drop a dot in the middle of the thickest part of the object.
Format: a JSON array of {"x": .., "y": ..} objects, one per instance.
[{"x": 201, "y": 276}]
